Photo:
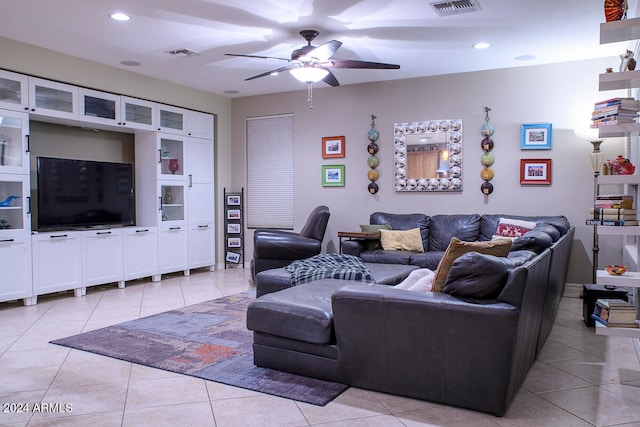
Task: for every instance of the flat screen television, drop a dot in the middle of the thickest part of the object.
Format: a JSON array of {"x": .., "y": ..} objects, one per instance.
[{"x": 82, "y": 193}]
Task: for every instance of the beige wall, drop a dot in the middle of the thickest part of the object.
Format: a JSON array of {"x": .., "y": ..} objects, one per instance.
[
  {"x": 562, "y": 94},
  {"x": 28, "y": 59}
]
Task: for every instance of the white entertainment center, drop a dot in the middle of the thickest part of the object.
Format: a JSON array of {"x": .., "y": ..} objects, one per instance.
[{"x": 174, "y": 192}]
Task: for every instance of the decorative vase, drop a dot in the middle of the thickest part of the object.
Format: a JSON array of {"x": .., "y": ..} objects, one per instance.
[{"x": 173, "y": 165}]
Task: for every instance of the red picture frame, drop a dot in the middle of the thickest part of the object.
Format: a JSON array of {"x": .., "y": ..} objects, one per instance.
[
  {"x": 333, "y": 147},
  {"x": 535, "y": 171}
]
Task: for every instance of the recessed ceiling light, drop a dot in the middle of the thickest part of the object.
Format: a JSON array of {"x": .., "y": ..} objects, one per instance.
[
  {"x": 524, "y": 58},
  {"x": 481, "y": 45},
  {"x": 231, "y": 92},
  {"x": 130, "y": 63},
  {"x": 119, "y": 16}
]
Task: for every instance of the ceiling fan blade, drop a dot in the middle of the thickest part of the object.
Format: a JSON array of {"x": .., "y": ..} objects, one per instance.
[
  {"x": 268, "y": 73},
  {"x": 353, "y": 63},
  {"x": 331, "y": 80},
  {"x": 325, "y": 51},
  {"x": 257, "y": 56}
]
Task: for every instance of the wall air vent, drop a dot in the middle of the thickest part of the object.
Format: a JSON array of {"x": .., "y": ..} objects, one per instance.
[
  {"x": 185, "y": 52},
  {"x": 446, "y": 8}
]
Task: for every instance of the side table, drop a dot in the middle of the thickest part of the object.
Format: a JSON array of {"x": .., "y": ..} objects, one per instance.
[{"x": 357, "y": 235}]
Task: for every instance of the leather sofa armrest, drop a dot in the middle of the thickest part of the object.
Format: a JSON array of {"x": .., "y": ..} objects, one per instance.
[
  {"x": 353, "y": 247},
  {"x": 432, "y": 346},
  {"x": 275, "y": 244}
]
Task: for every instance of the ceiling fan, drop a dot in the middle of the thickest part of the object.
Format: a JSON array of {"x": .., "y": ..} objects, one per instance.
[{"x": 310, "y": 64}]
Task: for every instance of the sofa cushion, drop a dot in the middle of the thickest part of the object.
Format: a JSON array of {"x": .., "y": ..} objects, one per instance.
[
  {"x": 478, "y": 276},
  {"x": 401, "y": 240},
  {"x": 443, "y": 227},
  {"x": 387, "y": 257},
  {"x": 300, "y": 313},
  {"x": 429, "y": 259},
  {"x": 457, "y": 247},
  {"x": 404, "y": 222}
]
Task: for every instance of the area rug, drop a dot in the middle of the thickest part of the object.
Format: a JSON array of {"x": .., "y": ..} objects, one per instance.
[{"x": 207, "y": 340}]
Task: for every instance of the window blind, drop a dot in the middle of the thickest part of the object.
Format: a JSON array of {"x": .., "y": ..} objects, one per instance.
[{"x": 270, "y": 171}]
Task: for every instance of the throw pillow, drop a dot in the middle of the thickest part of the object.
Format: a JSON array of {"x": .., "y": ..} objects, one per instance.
[
  {"x": 510, "y": 227},
  {"x": 372, "y": 244},
  {"x": 418, "y": 280},
  {"x": 401, "y": 240},
  {"x": 456, "y": 248}
]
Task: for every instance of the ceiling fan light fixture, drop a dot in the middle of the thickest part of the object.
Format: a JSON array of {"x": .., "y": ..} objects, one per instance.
[{"x": 309, "y": 74}]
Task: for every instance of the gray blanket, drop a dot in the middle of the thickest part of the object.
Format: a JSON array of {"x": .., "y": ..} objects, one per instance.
[{"x": 328, "y": 266}]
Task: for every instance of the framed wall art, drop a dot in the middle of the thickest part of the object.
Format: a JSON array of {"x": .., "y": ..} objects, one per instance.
[
  {"x": 535, "y": 136},
  {"x": 332, "y": 147},
  {"x": 233, "y": 214},
  {"x": 233, "y": 257},
  {"x": 333, "y": 175},
  {"x": 234, "y": 242},
  {"x": 233, "y": 200},
  {"x": 233, "y": 228},
  {"x": 535, "y": 171}
]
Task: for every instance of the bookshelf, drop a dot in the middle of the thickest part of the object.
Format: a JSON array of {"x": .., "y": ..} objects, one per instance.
[{"x": 611, "y": 32}]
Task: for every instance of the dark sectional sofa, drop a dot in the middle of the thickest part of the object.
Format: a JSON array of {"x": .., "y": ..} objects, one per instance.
[{"x": 437, "y": 346}]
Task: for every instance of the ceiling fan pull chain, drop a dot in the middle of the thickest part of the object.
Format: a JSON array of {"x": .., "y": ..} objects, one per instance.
[{"x": 310, "y": 96}]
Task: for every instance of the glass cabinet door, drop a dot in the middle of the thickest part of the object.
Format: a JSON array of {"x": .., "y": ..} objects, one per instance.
[
  {"x": 172, "y": 119},
  {"x": 172, "y": 202},
  {"x": 53, "y": 99},
  {"x": 138, "y": 114},
  {"x": 171, "y": 158},
  {"x": 14, "y": 155},
  {"x": 14, "y": 209},
  {"x": 13, "y": 91},
  {"x": 100, "y": 107}
]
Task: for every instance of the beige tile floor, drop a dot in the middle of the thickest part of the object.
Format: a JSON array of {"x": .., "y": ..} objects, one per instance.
[{"x": 580, "y": 379}]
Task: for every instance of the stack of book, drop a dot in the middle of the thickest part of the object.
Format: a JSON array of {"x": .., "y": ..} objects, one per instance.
[
  {"x": 614, "y": 111},
  {"x": 615, "y": 313},
  {"x": 613, "y": 209}
]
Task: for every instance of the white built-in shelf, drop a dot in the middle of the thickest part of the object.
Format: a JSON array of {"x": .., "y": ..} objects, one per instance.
[
  {"x": 615, "y": 230},
  {"x": 630, "y": 279},
  {"x": 619, "y": 31},
  {"x": 616, "y": 331},
  {"x": 10, "y": 207},
  {"x": 614, "y": 131},
  {"x": 620, "y": 80},
  {"x": 619, "y": 179}
]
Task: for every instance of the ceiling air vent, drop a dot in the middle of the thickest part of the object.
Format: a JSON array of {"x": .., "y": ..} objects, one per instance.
[
  {"x": 446, "y": 8},
  {"x": 184, "y": 51}
]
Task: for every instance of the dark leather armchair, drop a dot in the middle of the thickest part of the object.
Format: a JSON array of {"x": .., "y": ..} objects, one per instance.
[{"x": 278, "y": 248}]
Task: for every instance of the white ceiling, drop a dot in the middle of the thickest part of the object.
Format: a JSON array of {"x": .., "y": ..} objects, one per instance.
[{"x": 404, "y": 32}]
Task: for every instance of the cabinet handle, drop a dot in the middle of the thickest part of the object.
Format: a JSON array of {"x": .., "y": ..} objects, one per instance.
[
  {"x": 28, "y": 150},
  {"x": 159, "y": 155},
  {"x": 203, "y": 226},
  {"x": 28, "y": 205},
  {"x": 190, "y": 180},
  {"x": 102, "y": 233},
  {"x": 6, "y": 240},
  {"x": 160, "y": 199},
  {"x": 146, "y": 230},
  {"x": 58, "y": 236},
  {"x": 174, "y": 228}
]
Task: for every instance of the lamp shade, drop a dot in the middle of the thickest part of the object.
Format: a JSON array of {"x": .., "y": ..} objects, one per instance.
[{"x": 309, "y": 73}]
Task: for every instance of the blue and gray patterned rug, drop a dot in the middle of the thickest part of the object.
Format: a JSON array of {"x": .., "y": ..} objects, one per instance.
[{"x": 208, "y": 340}]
